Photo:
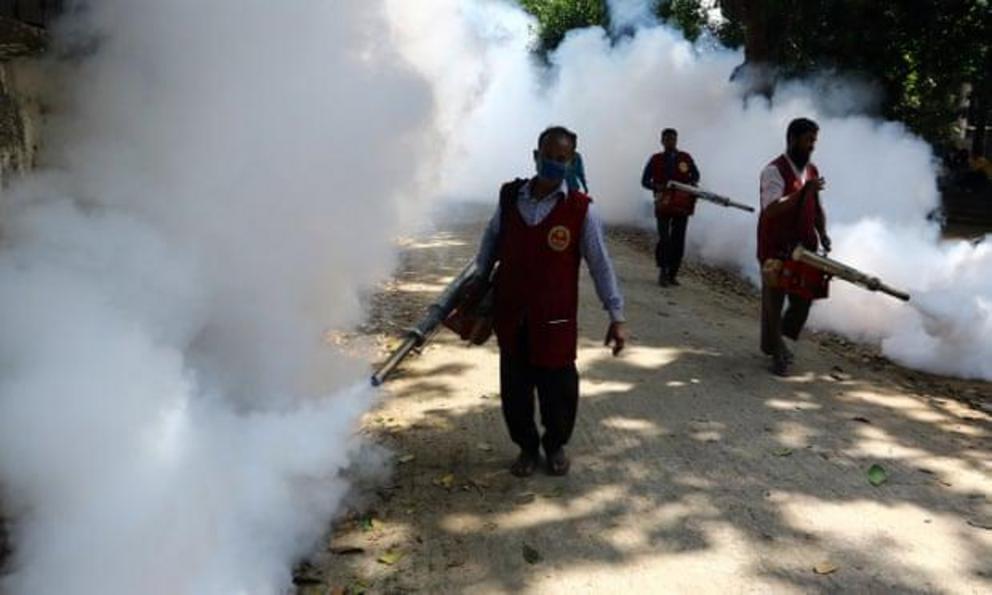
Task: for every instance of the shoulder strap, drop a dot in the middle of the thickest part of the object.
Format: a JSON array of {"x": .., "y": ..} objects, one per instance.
[
  {"x": 784, "y": 169},
  {"x": 509, "y": 192}
]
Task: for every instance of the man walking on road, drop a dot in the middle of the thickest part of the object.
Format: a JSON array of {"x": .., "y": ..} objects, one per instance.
[
  {"x": 672, "y": 208},
  {"x": 538, "y": 235},
  {"x": 791, "y": 215}
]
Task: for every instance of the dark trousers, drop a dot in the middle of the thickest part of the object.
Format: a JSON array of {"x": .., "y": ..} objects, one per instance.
[
  {"x": 671, "y": 243},
  {"x": 557, "y": 392},
  {"x": 775, "y": 324}
]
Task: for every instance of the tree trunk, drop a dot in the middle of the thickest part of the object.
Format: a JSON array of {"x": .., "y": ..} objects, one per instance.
[
  {"x": 981, "y": 100},
  {"x": 757, "y": 70}
]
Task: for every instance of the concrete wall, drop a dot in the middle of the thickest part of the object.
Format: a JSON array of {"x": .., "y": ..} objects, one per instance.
[{"x": 19, "y": 118}]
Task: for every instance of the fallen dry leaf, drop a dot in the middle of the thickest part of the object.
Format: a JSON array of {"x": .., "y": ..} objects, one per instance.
[
  {"x": 825, "y": 567},
  {"x": 390, "y": 557},
  {"x": 446, "y": 481}
]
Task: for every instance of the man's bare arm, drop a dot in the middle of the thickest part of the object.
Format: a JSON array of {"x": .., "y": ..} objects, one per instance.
[{"x": 789, "y": 200}]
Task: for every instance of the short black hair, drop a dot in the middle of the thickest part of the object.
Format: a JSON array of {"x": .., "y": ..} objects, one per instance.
[
  {"x": 799, "y": 127},
  {"x": 669, "y": 131},
  {"x": 557, "y": 131}
]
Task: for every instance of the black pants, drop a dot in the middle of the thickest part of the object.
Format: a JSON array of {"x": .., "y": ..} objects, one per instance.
[
  {"x": 557, "y": 393},
  {"x": 671, "y": 243},
  {"x": 774, "y": 324}
]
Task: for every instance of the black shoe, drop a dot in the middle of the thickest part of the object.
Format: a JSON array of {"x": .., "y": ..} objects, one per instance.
[
  {"x": 558, "y": 463},
  {"x": 663, "y": 278},
  {"x": 788, "y": 355},
  {"x": 780, "y": 366},
  {"x": 673, "y": 281},
  {"x": 525, "y": 465}
]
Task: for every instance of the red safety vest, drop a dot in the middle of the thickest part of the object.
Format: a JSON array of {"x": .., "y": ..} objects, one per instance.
[
  {"x": 778, "y": 236},
  {"x": 678, "y": 203},
  {"x": 537, "y": 284}
]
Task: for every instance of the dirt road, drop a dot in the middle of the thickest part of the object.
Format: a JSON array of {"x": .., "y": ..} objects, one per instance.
[{"x": 694, "y": 470}]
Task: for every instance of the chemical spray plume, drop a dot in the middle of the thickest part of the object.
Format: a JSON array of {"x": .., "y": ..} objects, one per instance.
[
  {"x": 617, "y": 93},
  {"x": 219, "y": 182}
]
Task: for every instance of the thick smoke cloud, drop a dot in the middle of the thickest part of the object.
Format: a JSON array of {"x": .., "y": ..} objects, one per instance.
[
  {"x": 628, "y": 14},
  {"x": 618, "y": 94},
  {"x": 220, "y": 182}
]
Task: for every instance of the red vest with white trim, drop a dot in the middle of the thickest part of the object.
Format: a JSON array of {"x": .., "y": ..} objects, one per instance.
[
  {"x": 678, "y": 203},
  {"x": 779, "y": 235},
  {"x": 537, "y": 283}
]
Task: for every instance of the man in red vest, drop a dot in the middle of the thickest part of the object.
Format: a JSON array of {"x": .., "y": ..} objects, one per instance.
[
  {"x": 672, "y": 208},
  {"x": 539, "y": 234},
  {"x": 791, "y": 215}
]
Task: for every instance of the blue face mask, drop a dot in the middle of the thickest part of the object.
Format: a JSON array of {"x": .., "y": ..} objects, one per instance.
[{"x": 551, "y": 170}]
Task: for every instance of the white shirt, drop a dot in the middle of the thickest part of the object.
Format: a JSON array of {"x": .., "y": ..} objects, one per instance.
[{"x": 772, "y": 183}]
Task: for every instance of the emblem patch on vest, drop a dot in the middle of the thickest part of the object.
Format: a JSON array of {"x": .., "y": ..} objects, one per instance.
[
  {"x": 683, "y": 167},
  {"x": 559, "y": 238}
]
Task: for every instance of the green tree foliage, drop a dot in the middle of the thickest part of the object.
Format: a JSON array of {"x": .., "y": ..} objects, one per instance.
[
  {"x": 557, "y": 17},
  {"x": 687, "y": 15},
  {"x": 922, "y": 53}
]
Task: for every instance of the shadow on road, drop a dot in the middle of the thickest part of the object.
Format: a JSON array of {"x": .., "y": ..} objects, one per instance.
[{"x": 693, "y": 469}]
